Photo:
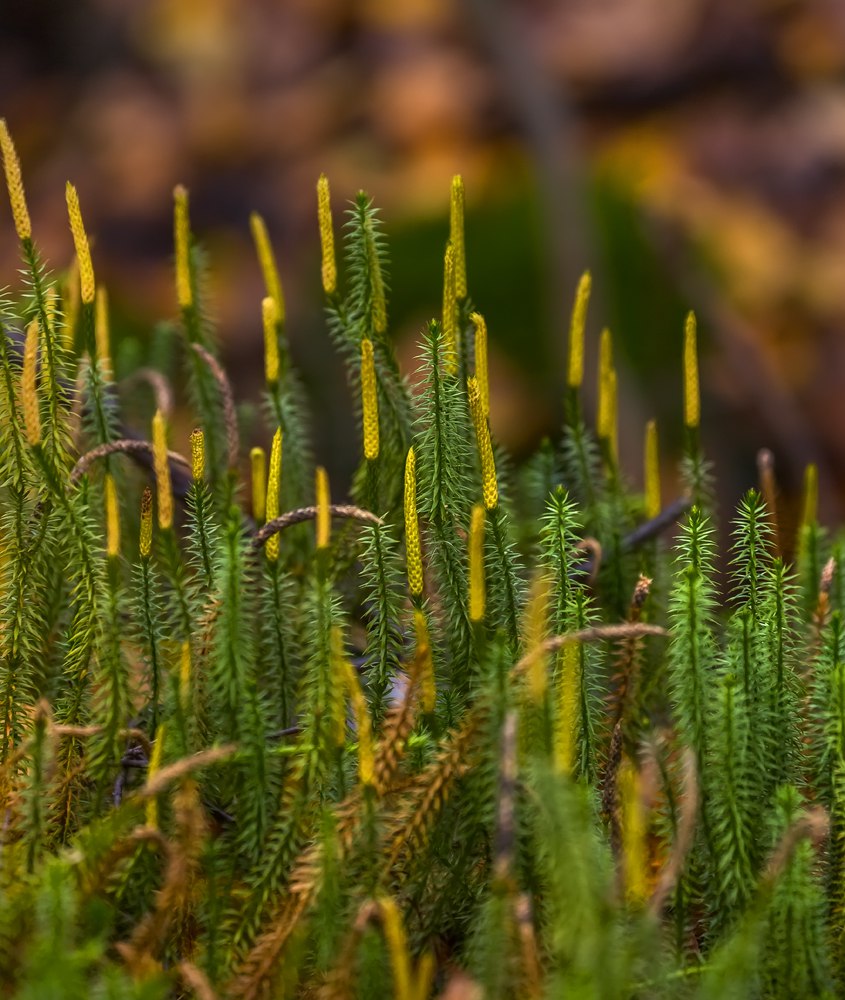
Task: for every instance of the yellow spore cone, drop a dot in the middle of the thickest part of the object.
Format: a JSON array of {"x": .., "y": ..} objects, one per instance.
[
  {"x": 477, "y": 585},
  {"x": 258, "y": 477},
  {"x": 604, "y": 417},
  {"x": 29, "y": 391},
  {"x": 428, "y": 684},
  {"x": 270, "y": 317},
  {"x": 324, "y": 518},
  {"x": 652, "y": 471},
  {"x": 481, "y": 372},
  {"x": 456, "y": 235},
  {"x": 101, "y": 331},
  {"x": 489, "y": 485},
  {"x": 810, "y": 512},
  {"x": 692, "y": 401},
  {"x": 363, "y": 722},
  {"x": 80, "y": 242},
  {"x": 324, "y": 219},
  {"x": 634, "y": 835},
  {"x": 369, "y": 401},
  {"x": 112, "y": 516},
  {"x": 575, "y": 368},
  {"x": 450, "y": 313},
  {"x": 412, "y": 527},
  {"x": 161, "y": 466},
  {"x": 267, "y": 263},
  {"x": 145, "y": 542},
  {"x": 197, "y": 455},
  {"x": 536, "y": 617},
  {"x": 566, "y": 715},
  {"x": 154, "y": 766},
  {"x": 182, "y": 247},
  {"x": 14, "y": 183},
  {"x": 274, "y": 488}
]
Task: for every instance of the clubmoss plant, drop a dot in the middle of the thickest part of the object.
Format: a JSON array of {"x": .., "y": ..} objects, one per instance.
[{"x": 468, "y": 733}]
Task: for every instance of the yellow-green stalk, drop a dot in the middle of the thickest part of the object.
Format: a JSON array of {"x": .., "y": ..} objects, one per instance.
[
  {"x": 481, "y": 372},
  {"x": 270, "y": 318},
  {"x": 369, "y": 401},
  {"x": 324, "y": 521},
  {"x": 197, "y": 455},
  {"x": 428, "y": 684},
  {"x": 575, "y": 367},
  {"x": 274, "y": 488},
  {"x": 634, "y": 835},
  {"x": 182, "y": 247},
  {"x": 489, "y": 486},
  {"x": 324, "y": 219},
  {"x": 810, "y": 506},
  {"x": 267, "y": 263},
  {"x": 164, "y": 489},
  {"x": 258, "y": 476},
  {"x": 652, "y": 471},
  {"x": 154, "y": 766},
  {"x": 145, "y": 541},
  {"x": 692, "y": 401},
  {"x": 456, "y": 236},
  {"x": 29, "y": 391},
  {"x": 450, "y": 313},
  {"x": 412, "y": 527},
  {"x": 112, "y": 516},
  {"x": 83, "y": 250},
  {"x": 14, "y": 184},
  {"x": 567, "y": 709},
  {"x": 101, "y": 331},
  {"x": 477, "y": 586}
]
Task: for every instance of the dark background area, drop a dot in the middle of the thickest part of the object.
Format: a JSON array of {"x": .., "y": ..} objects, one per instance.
[{"x": 692, "y": 154}]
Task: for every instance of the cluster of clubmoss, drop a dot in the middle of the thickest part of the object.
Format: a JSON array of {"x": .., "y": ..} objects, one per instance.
[{"x": 476, "y": 732}]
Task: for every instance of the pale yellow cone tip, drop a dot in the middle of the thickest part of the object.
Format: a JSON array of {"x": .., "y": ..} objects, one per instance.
[
  {"x": 162, "y": 472},
  {"x": 456, "y": 236},
  {"x": 267, "y": 263},
  {"x": 29, "y": 391},
  {"x": 692, "y": 401},
  {"x": 182, "y": 247},
  {"x": 412, "y": 527},
  {"x": 80, "y": 242},
  {"x": 112, "y": 517},
  {"x": 258, "y": 476},
  {"x": 477, "y": 587},
  {"x": 274, "y": 487},
  {"x": 652, "y": 471},
  {"x": 270, "y": 317},
  {"x": 14, "y": 184},
  {"x": 577, "y": 326},
  {"x": 369, "y": 401},
  {"x": 324, "y": 220}
]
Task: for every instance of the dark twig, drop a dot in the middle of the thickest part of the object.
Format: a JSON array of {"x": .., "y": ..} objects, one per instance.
[
  {"x": 229, "y": 415},
  {"x": 125, "y": 446},
  {"x": 308, "y": 514}
]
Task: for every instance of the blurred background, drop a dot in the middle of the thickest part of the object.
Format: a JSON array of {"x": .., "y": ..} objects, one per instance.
[{"x": 691, "y": 154}]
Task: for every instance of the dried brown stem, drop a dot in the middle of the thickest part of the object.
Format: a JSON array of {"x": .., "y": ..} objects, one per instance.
[
  {"x": 301, "y": 514},
  {"x": 125, "y": 446},
  {"x": 230, "y": 417}
]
